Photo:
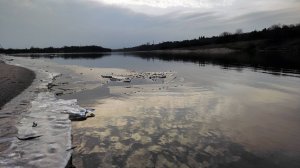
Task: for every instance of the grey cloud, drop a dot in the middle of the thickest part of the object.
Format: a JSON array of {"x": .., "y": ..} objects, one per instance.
[
  {"x": 79, "y": 22},
  {"x": 264, "y": 19}
]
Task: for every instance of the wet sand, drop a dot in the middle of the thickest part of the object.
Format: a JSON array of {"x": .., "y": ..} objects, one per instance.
[{"x": 13, "y": 80}]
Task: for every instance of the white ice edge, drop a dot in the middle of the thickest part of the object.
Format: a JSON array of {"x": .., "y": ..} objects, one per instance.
[{"x": 52, "y": 116}]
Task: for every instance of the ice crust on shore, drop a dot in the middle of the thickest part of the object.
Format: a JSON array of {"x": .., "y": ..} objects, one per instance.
[
  {"x": 53, "y": 123},
  {"x": 55, "y": 128}
]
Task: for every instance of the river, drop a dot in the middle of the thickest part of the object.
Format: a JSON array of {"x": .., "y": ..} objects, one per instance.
[{"x": 216, "y": 114}]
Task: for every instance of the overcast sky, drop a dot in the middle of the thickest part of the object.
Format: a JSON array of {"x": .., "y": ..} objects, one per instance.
[{"x": 125, "y": 23}]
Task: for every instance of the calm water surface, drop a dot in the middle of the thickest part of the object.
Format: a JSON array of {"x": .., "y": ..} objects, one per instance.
[{"x": 224, "y": 117}]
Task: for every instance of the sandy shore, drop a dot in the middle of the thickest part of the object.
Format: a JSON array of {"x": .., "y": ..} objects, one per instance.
[
  {"x": 35, "y": 104},
  {"x": 13, "y": 80}
]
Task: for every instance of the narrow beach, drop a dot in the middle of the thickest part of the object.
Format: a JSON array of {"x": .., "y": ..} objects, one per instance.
[
  {"x": 34, "y": 104},
  {"x": 13, "y": 80}
]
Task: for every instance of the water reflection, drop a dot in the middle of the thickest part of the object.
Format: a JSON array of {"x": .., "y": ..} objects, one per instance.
[
  {"x": 194, "y": 128},
  {"x": 219, "y": 118},
  {"x": 153, "y": 131},
  {"x": 275, "y": 63}
]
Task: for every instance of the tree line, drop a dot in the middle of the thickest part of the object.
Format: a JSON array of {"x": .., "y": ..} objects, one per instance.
[
  {"x": 274, "y": 34},
  {"x": 66, "y": 49}
]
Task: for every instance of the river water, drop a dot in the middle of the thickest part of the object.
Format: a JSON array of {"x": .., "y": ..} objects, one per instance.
[{"x": 217, "y": 114}]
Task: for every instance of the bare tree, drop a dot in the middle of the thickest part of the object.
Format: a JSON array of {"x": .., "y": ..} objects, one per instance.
[
  {"x": 239, "y": 31},
  {"x": 225, "y": 34},
  {"x": 275, "y": 26}
]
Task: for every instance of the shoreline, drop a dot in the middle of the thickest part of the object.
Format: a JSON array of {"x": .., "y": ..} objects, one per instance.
[
  {"x": 36, "y": 104},
  {"x": 43, "y": 91},
  {"x": 33, "y": 104},
  {"x": 14, "y": 80}
]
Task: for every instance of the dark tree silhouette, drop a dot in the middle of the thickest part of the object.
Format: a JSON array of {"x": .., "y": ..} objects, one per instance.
[
  {"x": 274, "y": 34},
  {"x": 71, "y": 49}
]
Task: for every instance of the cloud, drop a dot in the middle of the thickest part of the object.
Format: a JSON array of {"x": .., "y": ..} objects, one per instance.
[
  {"x": 161, "y": 7},
  {"x": 116, "y": 24},
  {"x": 167, "y": 3},
  {"x": 224, "y": 7}
]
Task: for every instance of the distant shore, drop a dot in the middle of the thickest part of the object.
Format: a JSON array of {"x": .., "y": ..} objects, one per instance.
[{"x": 216, "y": 50}]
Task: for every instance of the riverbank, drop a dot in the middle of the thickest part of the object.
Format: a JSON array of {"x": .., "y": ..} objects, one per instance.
[
  {"x": 13, "y": 81},
  {"x": 37, "y": 104}
]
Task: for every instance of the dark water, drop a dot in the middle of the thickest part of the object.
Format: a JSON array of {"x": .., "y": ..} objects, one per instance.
[
  {"x": 236, "y": 112},
  {"x": 274, "y": 62}
]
